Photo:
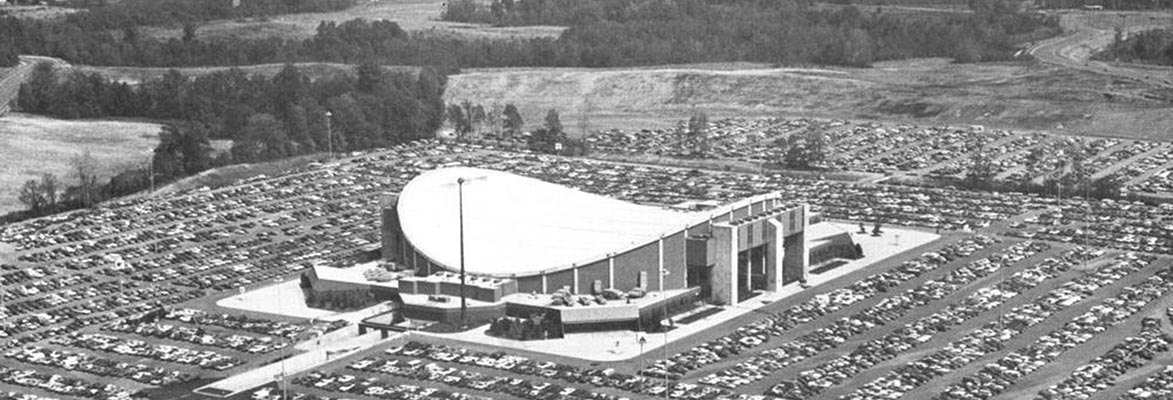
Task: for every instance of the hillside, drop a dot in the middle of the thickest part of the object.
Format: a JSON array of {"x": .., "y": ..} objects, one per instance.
[
  {"x": 1024, "y": 95},
  {"x": 35, "y": 145}
]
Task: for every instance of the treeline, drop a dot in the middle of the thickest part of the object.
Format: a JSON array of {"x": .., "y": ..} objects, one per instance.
[
  {"x": 631, "y": 32},
  {"x": 647, "y": 32},
  {"x": 1150, "y": 47},
  {"x": 134, "y": 13},
  {"x": 265, "y": 118},
  {"x": 1108, "y": 4}
]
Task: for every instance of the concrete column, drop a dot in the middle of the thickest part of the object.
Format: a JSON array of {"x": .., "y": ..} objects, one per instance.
[
  {"x": 574, "y": 269},
  {"x": 806, "y": 244},
  {"x": 544, "y": 288},
  {"x": 724, "y": 276},
  {"x": 660, "y": 261},
  {"x": 775, "y": 252},
  {"x": 610, "y": 271}
]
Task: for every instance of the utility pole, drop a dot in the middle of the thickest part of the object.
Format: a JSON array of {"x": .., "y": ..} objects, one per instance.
[
  {"x": 463, "y": 299},
  {"x": 329, "y": 135}
]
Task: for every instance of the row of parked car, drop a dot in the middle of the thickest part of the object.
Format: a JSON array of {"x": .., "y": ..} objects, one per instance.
[
  {"x": 887, "y": 310},
  {"x": 1157, "y": 386},
  {"x": 598, "y": 377},
  {"x": 996, "y": 377},
  {"x": 62, "y": 385},
  {"x": 905, "y": 340},
  {"x": 994, "y": 335},
  {"x": 138, "y": 348},
  {"x": 201, "y": 336},
  {"x": 90, "y": 364},
  {"x": 1101, "y": 373},
  {"x": 752, "y": 335}
]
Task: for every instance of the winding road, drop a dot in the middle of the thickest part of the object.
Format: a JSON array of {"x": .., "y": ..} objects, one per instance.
[
  {"x": 11, "y": 81},
  {"x": 1091, "y": 31}
]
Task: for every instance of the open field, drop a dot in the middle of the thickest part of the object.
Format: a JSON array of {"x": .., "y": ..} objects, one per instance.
[
  {"x": 1021, "y": 95},
  {"x": 35, "y": 145},
  {"x": 36, "y": 12},
  {"x": 134, "y": 75},
  {"x": 411, "y": 15}
]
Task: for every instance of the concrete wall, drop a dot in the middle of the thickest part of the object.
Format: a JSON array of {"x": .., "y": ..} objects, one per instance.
[
  {"x": 629, "y": 265},
  {"x": 390, "y": 228},
  {"x": 529, "y": 284},
  {"x": 724, "y": 277},
  {"x": 675, "y": 262},
  {"x": 556, "y": 280},
  {"x": 588, "y": 274}
]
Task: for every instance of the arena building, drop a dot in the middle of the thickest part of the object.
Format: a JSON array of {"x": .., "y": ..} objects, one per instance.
[{"x": 527, "y": 240}]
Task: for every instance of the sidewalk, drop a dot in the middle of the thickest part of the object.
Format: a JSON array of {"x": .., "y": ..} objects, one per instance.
[
  {"x": 623, "y": 345},
  {"x": 248, "y": 380}
]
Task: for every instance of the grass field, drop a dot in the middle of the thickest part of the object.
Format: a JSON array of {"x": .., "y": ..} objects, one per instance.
[
  {"x": 34, "y": 145},
  {"x": 134, "y": 75},
  {"x": 1018, "y": 95},
  {"x": 412, "y": 15}
]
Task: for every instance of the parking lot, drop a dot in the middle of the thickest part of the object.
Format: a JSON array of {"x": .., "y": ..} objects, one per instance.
[{"x": 100, "y": 303}]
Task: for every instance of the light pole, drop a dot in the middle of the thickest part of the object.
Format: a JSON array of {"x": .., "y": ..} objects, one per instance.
[
  {"x": 642, "y": 341},
  {"x": 281, "y": 310},
  {"x": 463, "y": 301},
  {"x": 663, "y": 274},
  {"x": 460, "y": 181},
  {"x": 329, "y": 135}
]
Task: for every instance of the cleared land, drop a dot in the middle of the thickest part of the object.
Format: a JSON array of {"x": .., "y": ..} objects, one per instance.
[
  {"x": 412, "y": 15},
  {"x": 1021, "y": 95},
  {"x": 35, "y": 145}
]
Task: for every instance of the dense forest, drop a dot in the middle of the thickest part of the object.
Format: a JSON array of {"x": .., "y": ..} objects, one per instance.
[
  {"x": 1109, "y": 4},
  {"x": 134, "y": 13},
  {"x": 1150, "y": 47},
  {"x": 266, "y": 118},
  {"x": 631, "y": 32},
  {"x": 602, "y": 33}
]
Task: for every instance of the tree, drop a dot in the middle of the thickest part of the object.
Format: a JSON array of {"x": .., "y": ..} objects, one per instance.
[
  {"x": 553, "y": 122},
  {"x": 512, "y": 120},
  {"x": 49, "y": 190},
  {"x": 810, "y": 152},
  {"x": 981, "y": 169},
  {"x": 477, "y": 117},
  {"x": 459, "y": 121},
  {"x": 189, "y": 32},
  {"x": 30, "y": 195},
  {"x": 264, "y": 139},
  {"x": 40, "y": 196},
  {"x": 85, "y": 170},
  {"x": 698, "y": 132}
]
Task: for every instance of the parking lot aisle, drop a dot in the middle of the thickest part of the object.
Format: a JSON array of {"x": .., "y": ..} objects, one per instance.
[
  {"x": 1066, "y": 363},
  {"x": 954, "y": 332},
  {"x": 1126, "y": 382},
  {"x": 388, "y": 378},
  {"x": 1055, "y": 321},
  {"x": 912, "y": 316},
  {"x": 1161, "y": 148},
  {"x": 586, "y": 387},
  {"x": 120, "y": 382},
  {"x": 1002, "y": 141},
  {"x": 907, "y": 316},
  {"x": 690, "y": 342}
]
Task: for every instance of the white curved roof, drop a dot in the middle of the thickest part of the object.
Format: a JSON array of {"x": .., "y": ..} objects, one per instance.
[{"x": 515, "y": 225}]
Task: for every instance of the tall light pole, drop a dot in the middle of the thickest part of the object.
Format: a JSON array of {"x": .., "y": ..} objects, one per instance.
[
  {"x": 463, "y": 300},
  {"x": 663, "y": 274},
  {"x": 329, "y": 135}
]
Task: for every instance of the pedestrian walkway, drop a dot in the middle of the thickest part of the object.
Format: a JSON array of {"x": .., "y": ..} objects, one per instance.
[
  {"x": 623, "y": 345},
  {"x": 311, "y": 359}
]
